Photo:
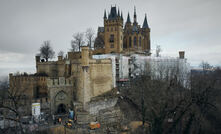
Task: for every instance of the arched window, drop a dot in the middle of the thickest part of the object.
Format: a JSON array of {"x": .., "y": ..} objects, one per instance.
[
  {"x": 135, "y": 42},
  {"x": 130, "y": 42},
  {"x": 125, "y": 43},
  {"x": 140, "y": 42}
]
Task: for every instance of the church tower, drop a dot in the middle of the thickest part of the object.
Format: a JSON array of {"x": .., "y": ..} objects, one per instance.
[{"x": 113, "y": 31}]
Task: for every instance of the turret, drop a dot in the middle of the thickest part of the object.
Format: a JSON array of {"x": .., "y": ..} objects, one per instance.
[
  {"x": 85, "y": 56},
  {"x": 145, "y": 24},
  {"x": 105, "y": 15},
  {"x": 37, "y": 58},
  {"x": 60, "y": 58},
  {"x": 181, "y": 54},
  {"x": 135, "y": 15},
  {"x": 121, "y": 15},
  {"x": 128, "y": 18}
]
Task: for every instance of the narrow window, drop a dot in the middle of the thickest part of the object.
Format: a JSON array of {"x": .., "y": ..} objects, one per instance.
[
  {"x": 112, "y": 46},
  {"x": 111, "y": 38},
  {"x": 135, "y": 41},
  {"x": 130, "y": 42},
  {"x": 140, "y": 41}
]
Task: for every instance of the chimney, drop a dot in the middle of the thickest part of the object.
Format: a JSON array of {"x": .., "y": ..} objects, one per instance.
[
  {"x": 60, "y": 58},
  {"x": 181, "y": 54},
  {"x": 37, "y": 58}
]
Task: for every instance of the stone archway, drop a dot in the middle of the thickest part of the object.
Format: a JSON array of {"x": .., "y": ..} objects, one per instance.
[
  {"x": 61, "y": 109},
  {"x": 61, "y": 102}
]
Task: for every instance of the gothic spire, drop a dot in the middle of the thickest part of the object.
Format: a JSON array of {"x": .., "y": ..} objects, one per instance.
[
  {"x": 105, "y": 15},
  {"x": 128, "y": 18},
  {"x": 118, "y": 14},
  {"x": 121, "y": 15},
  {"x": 145, "y": 24},
  {"x": 135, "y": 15}
]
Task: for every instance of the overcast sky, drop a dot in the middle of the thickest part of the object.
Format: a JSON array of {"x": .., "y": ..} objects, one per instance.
[{"x": 190, "y": 25}]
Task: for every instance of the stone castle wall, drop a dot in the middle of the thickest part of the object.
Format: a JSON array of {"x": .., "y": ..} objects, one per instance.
[
  {"x": 28, "y": 85},
  {"x": 60, "y": 92}
]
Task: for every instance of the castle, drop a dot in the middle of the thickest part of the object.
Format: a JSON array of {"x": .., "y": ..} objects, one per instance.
[
  {"x": 116, "y": 38},
  {"x": 120, "y": 53},
  {"x": 59, "y": 83}
]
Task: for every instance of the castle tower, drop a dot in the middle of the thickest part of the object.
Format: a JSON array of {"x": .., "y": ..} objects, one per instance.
[
  {"x": 113, "y": 33},
  {"x": 84, "y": 93},
  {"x": 146, "y": 34}
]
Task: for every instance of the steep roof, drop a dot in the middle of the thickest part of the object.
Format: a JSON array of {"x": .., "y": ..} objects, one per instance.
[
  {"x": 145, "y": 24},
  {"x": 113, "y": 13},
  {"x": 105, "y": 16},
  {"x": 128, "y": 18}
]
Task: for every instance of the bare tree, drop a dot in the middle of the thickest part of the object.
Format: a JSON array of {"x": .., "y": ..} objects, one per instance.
[
  {"x": 90, "y": 37},
  {"x": 46, "y": 50},
  {"x": 61, "y": 53},
  {"x": 99, "y": 42},
  {"x": 205, "y": 65},
  {"x": 170, "y": 108},
  {"x": 158, "y": 50},
  {"x": 77, "y": 42},
  {"x": 14, "y": 103}
]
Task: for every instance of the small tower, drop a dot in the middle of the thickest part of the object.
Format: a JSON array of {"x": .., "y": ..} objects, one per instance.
[
  {"x": 135, "y": 16},
  {"x": 113, "y": 33},
  {"x": 146, "y": 34},
  {"x": 84, "y": 93},
  {"x": 105, "y": 15}
]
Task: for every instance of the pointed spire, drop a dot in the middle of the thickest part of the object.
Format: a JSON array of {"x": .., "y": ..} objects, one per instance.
[
  {"x": 135, "y": 11},
  {"x": 121, "y": 15},
  {"x": 118, "y": 14},
  {"x": 128, "y": 18},
  {"x": 105, "y": 15},
  {"x": 135, "y": 15},
  {"x": 145, "y": 24}
]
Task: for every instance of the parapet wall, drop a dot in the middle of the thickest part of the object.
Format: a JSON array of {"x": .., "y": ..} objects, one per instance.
[
  {"x": 23, "y": 78},
  {"x": 60, "y": 81}
]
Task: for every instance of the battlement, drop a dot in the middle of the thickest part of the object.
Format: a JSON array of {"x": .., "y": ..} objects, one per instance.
[
  {"x": 27, "y": 78},
  {"x": 60, "y": 81},
  {"x": 113, "y": 22}
]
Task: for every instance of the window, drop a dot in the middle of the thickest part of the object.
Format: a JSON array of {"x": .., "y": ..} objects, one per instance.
[
  {"x": 112, "y": 29},
  {"x": 112, "y": 46},
  {"x": 129, "y": 41},
  {"x": 111, "y": 38},
  {"x": 140, "y": 41},
  {"x": 135, "y": 41},
  {"x": 108, "y": 29}
]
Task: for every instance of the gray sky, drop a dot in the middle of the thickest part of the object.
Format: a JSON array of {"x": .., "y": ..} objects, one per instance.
[{"x": 190, "y": 25}]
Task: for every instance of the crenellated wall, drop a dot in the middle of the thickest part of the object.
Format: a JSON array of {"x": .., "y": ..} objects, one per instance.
[
  {"x": 28, "y": 85},
  {"x": 60, "y": 91}
]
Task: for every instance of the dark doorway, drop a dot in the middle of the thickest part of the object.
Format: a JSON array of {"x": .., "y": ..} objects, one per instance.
[{"x": 61, "y": 109}]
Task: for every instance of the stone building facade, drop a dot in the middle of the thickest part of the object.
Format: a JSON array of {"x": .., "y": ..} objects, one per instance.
[
  {"x": 115, "y": 37},
  {"x": 75, "y": 78}
]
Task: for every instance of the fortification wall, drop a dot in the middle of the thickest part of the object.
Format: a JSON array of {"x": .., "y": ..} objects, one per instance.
[
  {"x": 52, "y": 68},
  {"x": 100, "y": 76},
  {"x": 28, "y": 85},
  {"x": 60, "y": 92}
]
